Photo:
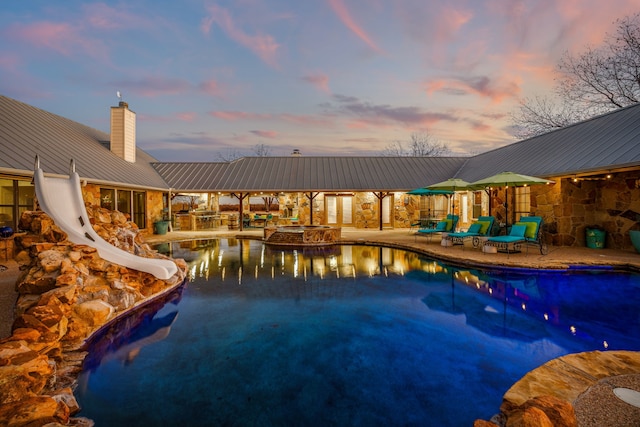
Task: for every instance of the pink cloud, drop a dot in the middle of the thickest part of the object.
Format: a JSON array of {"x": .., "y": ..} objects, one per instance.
[
  {"x": 211, "y": 87},
  {"x": 187, "y": 116},
  {"x": 305, "y": 120},
  {"x": 265, "y": 133},
  {"x": 496, "y": 89},
  {"x": 153, "y": 86},
  {"x": 102, "y": 16},
  {"x": 238, "y": 115},
  {"x": 61, "y": 38},
  {"x": 320, "y": 81},
  {"x": 449, "y": 21},
  {"x": 343, "y": 14},
  {"x": 264, "y": 46}
]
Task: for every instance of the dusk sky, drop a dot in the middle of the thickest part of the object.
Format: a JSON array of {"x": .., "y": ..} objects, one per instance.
[{"x": 328, "y": 77}]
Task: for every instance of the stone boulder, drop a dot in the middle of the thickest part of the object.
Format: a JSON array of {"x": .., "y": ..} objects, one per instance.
[
  {"x": 94, "y": 312},
  {"x": 66, "y": 293},
  {"x": 543, "y": 411}
]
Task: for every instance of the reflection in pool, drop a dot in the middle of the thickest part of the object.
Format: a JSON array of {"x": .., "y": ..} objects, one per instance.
[{"x": 346, "y": 335}]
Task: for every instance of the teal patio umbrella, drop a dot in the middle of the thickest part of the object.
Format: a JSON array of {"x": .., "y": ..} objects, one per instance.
[
  {"x": 451, "y": 184},
  {"x": 506, "y": 179},
  {"x": 424, "y": 191}
]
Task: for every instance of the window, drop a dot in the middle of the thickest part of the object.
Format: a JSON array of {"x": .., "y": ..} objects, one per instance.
[
  {"x": 15, "y": 198},
  {"x": 26, "y": 196},
  {"x": 131, "y": 203},
  {"x": 523, "y": 202},
  {"x": 139, "y": 209},
  {"x": 6, "y": 203},
  {"x": 107, "y": 198},
  {"x": 477, "y": 204},
  {"x": 124, "y": 202}
]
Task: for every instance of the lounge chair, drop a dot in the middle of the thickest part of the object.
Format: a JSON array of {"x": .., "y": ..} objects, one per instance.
[
  {"x": 480, "y": 228},
  {"x": 447, "y": 225},
  {"x": 527, "y": 231}
]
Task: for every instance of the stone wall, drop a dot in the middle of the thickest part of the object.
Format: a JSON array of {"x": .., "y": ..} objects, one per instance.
[
  {"x": 91, "y": 196},
  {"x": 66, "y": 294},
  {"x": 569, "y": 208},
  {"x": 406, "y": 211},
  {"x": 154, "y": 209}
]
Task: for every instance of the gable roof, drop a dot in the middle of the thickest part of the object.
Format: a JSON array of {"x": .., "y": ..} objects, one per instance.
[
  {"x": 28, "y": 131},
  {"x": 310, "y": 173},
  {"x": 606, "y": 142}
]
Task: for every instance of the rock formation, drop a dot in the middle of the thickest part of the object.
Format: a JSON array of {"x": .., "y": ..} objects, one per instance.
[{"x": 66, "y": 294}]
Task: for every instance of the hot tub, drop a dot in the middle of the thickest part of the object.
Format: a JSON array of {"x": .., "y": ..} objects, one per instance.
[{"x": 302, "y": 235}]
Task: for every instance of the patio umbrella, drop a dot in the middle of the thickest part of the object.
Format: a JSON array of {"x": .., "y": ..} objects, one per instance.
[
  {"x": 424, "y": 191},
  {"x": 451, "y": 184},
  {"x": 505, "y": 179}
]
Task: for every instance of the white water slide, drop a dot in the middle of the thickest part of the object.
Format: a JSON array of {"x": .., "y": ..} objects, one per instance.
[{"x": 61, "y": 199}]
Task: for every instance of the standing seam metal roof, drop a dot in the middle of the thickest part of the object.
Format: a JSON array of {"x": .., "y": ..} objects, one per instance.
[
  {"x": 272, "y": 174},
  {"x": 601, "y": 143},
  {"x": 27, "y": 131},
  {"x": 604, "y": 142}
]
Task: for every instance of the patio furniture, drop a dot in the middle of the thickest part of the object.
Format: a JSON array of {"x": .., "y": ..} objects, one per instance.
[
  {"x": 444, "y": 226},
  {"x": 424, "y": 223},
  {"x": 527, "y": 231},
  {"x": 479, "y": 228}
]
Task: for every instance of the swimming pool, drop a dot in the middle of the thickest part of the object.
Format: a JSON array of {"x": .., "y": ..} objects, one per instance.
[{"x": 346, "y": 335}]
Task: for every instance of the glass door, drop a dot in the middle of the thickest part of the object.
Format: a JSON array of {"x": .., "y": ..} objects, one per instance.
[{"x": 339, "y": 210}]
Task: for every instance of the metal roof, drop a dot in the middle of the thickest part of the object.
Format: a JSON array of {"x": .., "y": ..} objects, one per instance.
[
  {"x": 26, "y": 131},
  {"x": 606, "y": 142},
  {"x": 310, "y": 173}
]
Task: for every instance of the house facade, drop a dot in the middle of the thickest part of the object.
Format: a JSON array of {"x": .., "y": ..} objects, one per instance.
[{"x": 595, "y": 166}]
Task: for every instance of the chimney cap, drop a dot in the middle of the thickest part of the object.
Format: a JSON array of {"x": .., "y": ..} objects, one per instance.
[
  {"x": 296, "y": 152},
  {"x": 123, "y": 104}
]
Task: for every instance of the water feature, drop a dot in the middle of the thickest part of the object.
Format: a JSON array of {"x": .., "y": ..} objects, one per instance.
[
  {"x": 345, "y": 335},
  {"x": 302, "y": 235}
]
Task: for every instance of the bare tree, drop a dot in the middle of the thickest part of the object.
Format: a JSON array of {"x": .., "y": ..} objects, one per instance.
[
  {"x": 596, "y": 81},
  {"x": 538, "y": 115},
  {"x": 262, "y": 150},
  {"x": 420, "y": 144},
  {"x": 231, "y": 154}
]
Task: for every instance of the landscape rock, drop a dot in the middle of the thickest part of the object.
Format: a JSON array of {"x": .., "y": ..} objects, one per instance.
[
  {"x": 94, "y": 312},
  {"x": 543, "y": 411},
  {"x": 66, "y": 293}
]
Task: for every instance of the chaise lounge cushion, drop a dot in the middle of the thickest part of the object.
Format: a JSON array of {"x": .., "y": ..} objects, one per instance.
[
  {"x": 484, "y": 226},
  {"x": 475, "y": 228},
  {"x": 532, "y": 227},
  {"x": 518, "y": 230},
  {"x": 516, "y": 235},
  {"x": 441, "y": 226}
]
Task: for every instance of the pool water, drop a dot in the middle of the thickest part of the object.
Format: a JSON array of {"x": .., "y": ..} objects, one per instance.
[{"x": 348, "y": 335}]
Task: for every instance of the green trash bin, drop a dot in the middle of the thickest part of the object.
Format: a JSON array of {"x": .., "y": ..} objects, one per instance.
[
  {"x": 595, "y": 238},
  {"x": 160, "y": 227}
]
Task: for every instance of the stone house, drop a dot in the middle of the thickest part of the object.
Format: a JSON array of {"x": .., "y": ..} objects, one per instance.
[{"x": 595, "y": 165}]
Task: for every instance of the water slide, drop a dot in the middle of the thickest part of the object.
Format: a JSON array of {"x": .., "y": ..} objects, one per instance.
[{"x": 62, "y": 200}]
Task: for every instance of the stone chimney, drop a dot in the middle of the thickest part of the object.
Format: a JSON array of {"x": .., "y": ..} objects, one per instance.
[{"x": 123, "y": 132}]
